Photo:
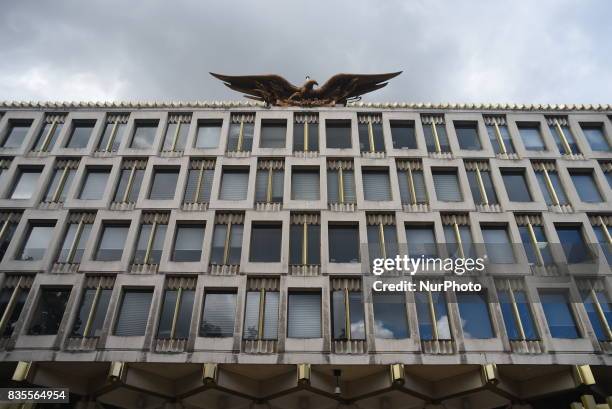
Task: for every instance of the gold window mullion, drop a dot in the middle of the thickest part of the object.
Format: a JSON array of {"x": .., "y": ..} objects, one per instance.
[
  {"x": 601, "y": 315},
  {"x": 341, "y": 184},
  {"x": 226, "y": 248},
  {"x": 411, "y": 187},
  {"x": 566, "y": 146},
  {"x": 305, "y": 244},
  {"x": 198, "y": 191},
  {"x": 60, "y": 185},
  {"x": 604, "y": 227},
  {"x": 10, "y": 306},
  {"x": 432, "y": 311},
  {"x": 371, "y": 136},
  {"x": 47, "y": 138},
  {"x": 128, "y": 187},
  {"x": 434, "y": 130},
  {"x": 500, "y": 140},
  {"x": 150, "y": 243},
  {"x": 458, "y": 239},
  {"x": 347, "y": 315},
  {"x": 92, "y": 311},
  {"x": 4, "y": 228},
  {"x": 111, "y": 138},
  {"x": 240, "y": 136},
  {"x": 269, "y": 186},
  {"x": 75, "y": 241},
  {"x": 175, "y": 315},
  {"x": 534, "y": 242},
  {"x": 306, "y": 135},
  {"x": 517, "y": 315},
  {"x": 381, "y": 239},
  {"x": 260, "y": 321},
  {"x": 483, "y": 192},
  {"x": 176, "y": 135},
  {"x": 551, "y": 188}
]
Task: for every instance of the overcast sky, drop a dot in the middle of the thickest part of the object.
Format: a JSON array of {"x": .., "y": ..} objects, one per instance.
[{"x": 533, "y": 51}]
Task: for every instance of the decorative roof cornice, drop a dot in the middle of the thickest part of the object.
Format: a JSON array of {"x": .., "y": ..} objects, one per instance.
[{"x": 253, "y": 104}]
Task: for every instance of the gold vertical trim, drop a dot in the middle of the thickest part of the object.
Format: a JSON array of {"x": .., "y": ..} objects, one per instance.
[
  {"x": 240, "y": 136},
  {"x": 227, "y": 241},
  {"x": 458, "y": 238},
  {"x": 92, "y": 311},
  {"x": 432, "y": 311},
  {"x": 534, "y": 242},
  {"x": 600, "y": 314},
  {"x": 111, "y": 138},
  {"x": 483, "y": 192},
  {"x": 381, "y": 238},
  {"x": 175, "y": 315},
  {"x": 196, "y": 198},
  {"x": 305, "y": 244},
  {"x": 306, "y": 136},
  {"x": 176, "y": 135},
  {"x": 4, "y": 228},
  {"x": 47, "y": 138},
  {"x": 260, "y": 321},
  {"x": 150, "y": 243},
  {"x": 551, "y": 187},
  {"x": 500, "y": 140},
  {"x": 341, "y": 184},
  {"x": 75, "y": 240},
  {"x": 517, "y": 315},
  {"x": 269, "y": 186},
  {"x": 371, "y": 135},
  {"x": 436, "y": 138},
  {"x": 568, "y": 149},
  {"x": 128, "y": 186},
  {"x": 411, "y": 187},
  {"x": 60, "y": 184},
  {"x": 347, "y": 315},
  {"x": 603, "y": 226},
  {"x": 10, "y": 306}
]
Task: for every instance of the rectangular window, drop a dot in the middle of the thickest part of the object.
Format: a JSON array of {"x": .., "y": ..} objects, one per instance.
[
  {"x": 305, "y": 240},
  {"x": 63, "y": 177},
  {"x": 75, "y": 239},
  {"x": 16, "y": 133},
  {"x": 219, "y": 314},
  {"x": 599, "y": 310},
  {"x": 446, "y": 183},
  {"x": 604, "y": 235},
  {"x": 177, "y": 306},
  {"x": 143, "y": 136},
  {"x": 517, "y": 315},
  {"x": 559, "y": 315},
  {"x": 261, "y": 314},
  {"x": 12, "y": 299},
  {"x": 421, "y": 241},
  {"x": 585, "y": 186},
  {"x": 130, "y": 181},
  {"x": 266, "y": 240},
  {"x": 458, "y": 237},
  {"x": 92, "y": 312},
  {"x": 411, "y": 182},
  {"x": 49, "y": 311},
  {"x": 382, "y": 237},
  {"x": 432, "y": 314},
  {"x": 304, "y": 314},
  {"x": 475, "y": 316},
  {"x": 188, "y": 241},
  {"x": 164, "y": 183},
  {"x": 199, "y": 181},
  {"x": 227, "y": 244},
  {"x": 376, "y": 185},
  {"x": 242, "y": 128},
  {"x": 403, "y": 134},
  {"x": 49, "y": 133},
  {"x": 467, "y": 135},
  {"x": 348, "y": 322},
  {"x": 536, "y": 246},
  {"x": 273, "y": 133},
  {"x": 370, "y": 129},
  {"x": 114, "y": 132},
  {"x": 498, "y": 246},
  {"x": 234, "y": 184},
  {"x": 573, "y": 243},
  {"x": 94, "y": 184},
  {"x": 481, "y": 184},
  {"x": 269, "y": 181},
  {"x": 563, "y": 136},
  {"x": 37, "y": 242},
  {"x": 497, "y": 129},
  {"x": 176, "y": 132},
  {"x": 151, "y": 237},
  {"x": 436, "y": 138},
  {"x": 133, "y": 313},
  {"x": 338, "y": 133},
  {"x": 26, "y": 183},
  {"x": 343, "y": 243},
  {"x": 550, "y": 184},
  {"x": 531, "y": 136},
  {"x": 516, "y": 185},
  {"x": 390, "y": 318},
  {"x": 209, "y": 134},
  {"x": 595, "y": 135},
  {"x": 112, "y": 242},
  {"x": 305, "y": 184},
  {"x": 81, "y": 134},
  {"x": 340, "y": 182},
  {"x": 306, "y": 132}
]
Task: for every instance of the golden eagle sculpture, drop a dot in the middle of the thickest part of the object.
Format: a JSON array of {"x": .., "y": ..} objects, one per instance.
[{"x": 275, "y": 90}]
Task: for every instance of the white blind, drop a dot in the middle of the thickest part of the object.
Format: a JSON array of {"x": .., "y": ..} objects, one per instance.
[
  {"x": 447, "y": 186},
  {"x": 333, "y": 195},
  {"x": 234, "y": 185},
  {"x": 376, "y": 185},
  {"x": 349, "y": 186},
  {"x": 205, "y": 186},
  {"x": 305, "y": 185},
  {"x": 134, "y": 312},
  {"x": 251, "y": 315},
  {"x": 219, "y": 314},
  {"x": 271, "y": 315},
  {"x": 304, "y": 318}
]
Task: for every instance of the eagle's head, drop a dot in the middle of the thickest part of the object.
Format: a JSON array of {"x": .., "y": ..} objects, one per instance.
[{"x": 309, "y": 84}]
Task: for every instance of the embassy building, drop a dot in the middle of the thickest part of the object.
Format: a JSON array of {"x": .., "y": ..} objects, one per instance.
[{"x": 217, "y": 255}]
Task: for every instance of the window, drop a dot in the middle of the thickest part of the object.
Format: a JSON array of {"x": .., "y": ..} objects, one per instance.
[
  {"x": 306, "y": 132},
  {"x": 599, "y": 310},
  {"x": 421, "y": 241},
  {"x": 411, "y": 182},
  {"x": 49, "y": 133},
  {"x": 516, "y": 185},
  {"x": 144, "y": 134},
  {"x": 481, "y": 184},
  {"x": 376, "y": 185},
  {"x": 209, "y": 133},
  {"x": 594, "y": 133},
  {"x": 112, "y": 242},
  {"x": 432, "y": 315},
  {"x": 550, "y": 184},
  {"x": 273, "y": 133},
  {"x": 390, "y": 318},
  {"x": 151, "y": 237},
  {"x": 559, "y": 315},
  {"x": 242, "y": 128},
  {"x": 219, "y": 314},
  {"x": 516, "y": 312},
  {"x": 499, "y": 135},
  {"x": 531, "y": 136},
  {"x": 199, "y": 181},
  {"x": 37, "y": 242},
  {"x": 343, "y": 243},
  {"x": 176, "y": 132},
  {"x": 497, "y": 244},
  {"x": 49, "y": 311},
  {"x": 266, "y": 240},
  {"x": 585, "y": 186},
  {"x": 382, "y": 237},
  {"x": 305, "y": 240},
  {"x": 8, "y": 225},
  {"x": 338, "y": 134},
  {"x": 12, "y": 299},
  {"x": 261, "y": 313},
  {"x": 348, "y": 322},
  {"x": 269, "y": 181},
  {"x": 94, "y": 184},
  {"x": 26, "y": 183},
  {"x": 175, "y": 317},
  {"x": 403, "y": 135},
  {"x": 436, "y": 138},
  {"x": 446, "y": 183},
  {"x": 573, "y": 244},
  {"x": 467, "y": 135},
  {"x": 304, "y": 314},
  {"x": 164, "y": 184},
  {"x": 188, "y": 242},
  {"x": 340, "y": 182},
  {"x": 536, "y": 246},
  {"x": 114, "y": 131},
  {"x": 16, "y": 133},
  {"x": 81, "y": 134},
  {"x": 62, "y": 180},
  {"x": 559, "y": 128},
  {"x": 458, "y": 237},
  {"x": 227, "y": 243},
  {"x": 370, "y": 129},
  {"x": 234, "y": 184},
  {"x": 604, "y": 235},
  {"x": 304, "y": 184},
  {"x": 133, "y": 313},
  {"x": 475, "y": 317},
  {"x": 94, "y": 304},
  {"x": 76, "y": 238},
  {"x": 132, "y": 176}
]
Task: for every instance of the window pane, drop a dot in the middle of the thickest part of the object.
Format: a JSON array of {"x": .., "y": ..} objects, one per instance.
[
  {"x": 156, "y": 247},
  {"x": 447, "y": 186},
  {"x": 144, "y": 135},
  {"x": 112, "y": 243},
  {"x": 25, "y": 186},
  {"x": 516, "y": 186},
  {"x": 390, "y": 319},
  {"x": 188, "y": 243},
  {"x": 531, "y": 136},
  {"x": 209, "y": 133},
  {"x": 602, "y": 238},
  {"x": 524, "y": 315},
  {"x": 184, "y": 314},
  {"x": 376, "y": 185},
  {"x": 6, "y": 238},
  {"x": 234, "y": 184},
  {"x": 542, "y": 244},
  {"x": 16, "y": 134},
  {"x": 343, "y": 244},
  {"x": 430, "y": 138},
  {"x": 426, "y": 322},
  {"x": 574, "y": 245},
  {"x": 586, "y": 187},
  {"x": 37, "y": 242},
  {"x": 172, "y": 140},
  {"x": 467, "y": 134},
  {"x": 251, "y": 315},
  {"x": 452, "y": 245},
  {"x": 338, "y": 133},
  {"x": 247, "y": 137},
  {"x": 594, "y": 318},
  {"x": 475, "y": 318},
  {"x": 497, "y": 242},
  {"x": 487, "y": 182},
  {"x": 304, "y": 315},
  {"x": 81, "y": 133},
  {"x": 235, "y": 243},
  {"x": 569, "y": 137},
  {"x": 164, "y": 184},
  {"x": 556, "y": 182},
  {"x": 48, "y": 135},
  {"x": 192, "y": 185},
  {"x": 377, "y": 137},
  {"x": 271, "y": 315},
  {"x": 559, "y": 315},
  {"x": 99, "y": 314},
  {"x": 304, "y": 184},
  {"x": 49, "y": 311},
  {"x": 339, "y": 315},
  {"x": 108, "y": 131},
  {"x": 403, "y": 135},
  {"x": 421, "y": 241},
  {"x": 94, "y": 184},
  {"x": 219, "y": 314},
  {"x": 218, "y": 244},
  {"x": 134, "y": 313},
  {"x": 349, "y": 186},
  {"x": 68, "y": 241},
  {"x": 505, "y": 134},
  {"x": 5, "y": 297},
  {"x": 55, "y": 182},
  {"x": 594, "y": 133},
  {"x": 273, "y": 133},
  {"x": 357, "y": 315},
  {"x": 265, "y": 243}
]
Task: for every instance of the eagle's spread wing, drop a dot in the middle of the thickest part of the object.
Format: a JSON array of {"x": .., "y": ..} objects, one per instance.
[
  {"x": 267, "y": 88},
  {"x": 341, "y": 87}
]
